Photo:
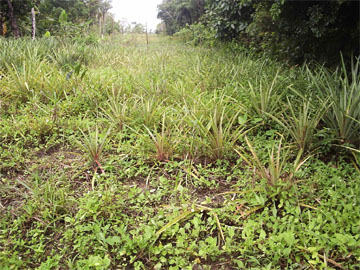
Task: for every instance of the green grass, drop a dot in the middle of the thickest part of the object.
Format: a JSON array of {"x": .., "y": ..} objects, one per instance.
[{"x": 119, "y": 155}]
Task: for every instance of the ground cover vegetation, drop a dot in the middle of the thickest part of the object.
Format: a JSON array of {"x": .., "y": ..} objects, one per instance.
[
  {"x": 168, "y": 156},
  {"x": 118, "y": 154}
]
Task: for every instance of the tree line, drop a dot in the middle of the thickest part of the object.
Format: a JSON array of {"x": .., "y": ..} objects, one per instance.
[
  {"x": 53, "y": 16},
  {"x": 288, "y": 29}
]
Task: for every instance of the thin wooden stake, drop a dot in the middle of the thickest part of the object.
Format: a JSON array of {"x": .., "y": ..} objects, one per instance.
[
  {"x": 147, "y": 38},
  {"x": 100, "y": 28},
  {"x": 103, "y": 25},
  {"x": 33, "y": 32}
]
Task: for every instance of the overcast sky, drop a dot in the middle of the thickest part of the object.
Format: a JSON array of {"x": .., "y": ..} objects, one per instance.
[{"x": 141, "y": 11}]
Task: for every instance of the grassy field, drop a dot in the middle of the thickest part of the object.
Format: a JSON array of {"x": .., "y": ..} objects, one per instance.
[{"x": 118, "y": 155}]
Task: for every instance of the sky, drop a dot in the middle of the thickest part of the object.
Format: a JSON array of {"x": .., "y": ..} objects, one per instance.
[{"x": 141, "y": 11}]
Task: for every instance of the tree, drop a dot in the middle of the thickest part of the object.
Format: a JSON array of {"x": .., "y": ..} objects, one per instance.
[
  {"x": 287, "y": 29},
  {"x": 138, "y": 28},
  {"x": 18, "y": 13},
  {"x": 111, "y": 25},
  {"x": 12, "y": 18},
  {"x": 103, "y": 9},
  {"x": 300, "y": 30},
  {"x": 229, "y": 18},
  {"x": 178, "y": 13}
]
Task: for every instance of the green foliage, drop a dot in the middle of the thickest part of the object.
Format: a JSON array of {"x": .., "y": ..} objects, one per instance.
[
  {"x": 302, "y": 125},
  {"x": 196, "y": 34},
  {"x": 93, "y": 145},
  {"x": 278, "y": 159},
  {"x": 178, "y": 13},
  {"x": 163, "y": 140},
  {"x": 293, "y": 31},
  {"x": 175, "y": 195},
  {"x": 229, "y": 18},
  {"x": 116, "y": 108},
  {"x": 264, "y": 95},
  {"x": 343, "y": 93},
  {"x": 47, "y": 34},
  {"x": 306, "y": 30},
  {"x": 218, "y": 131},
  {"x": 63, "y": 17}
]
